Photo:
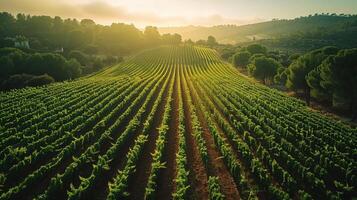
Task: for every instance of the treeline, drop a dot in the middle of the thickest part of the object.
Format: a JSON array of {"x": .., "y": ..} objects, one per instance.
[
  {"x": 56, "y": 49},
  {"x": 53, "y": 33},
  {"x": 327, "y": 74},
  {"x": 342, "y": 36},
  {"x": 277, "y": 28},
  {"x": 20, "y": 69}
]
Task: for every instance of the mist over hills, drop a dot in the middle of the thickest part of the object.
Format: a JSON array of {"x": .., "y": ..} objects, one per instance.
[{"x": 277, "y": 28}]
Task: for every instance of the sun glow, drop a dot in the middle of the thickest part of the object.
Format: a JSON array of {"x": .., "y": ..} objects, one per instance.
[{"x": 175, "y": 12}]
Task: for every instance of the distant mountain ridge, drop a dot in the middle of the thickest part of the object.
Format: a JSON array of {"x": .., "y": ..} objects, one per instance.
[{"x": 231, "y": 34}]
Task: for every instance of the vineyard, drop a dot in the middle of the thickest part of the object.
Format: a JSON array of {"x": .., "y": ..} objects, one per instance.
[{"x": 173, "y": 122}]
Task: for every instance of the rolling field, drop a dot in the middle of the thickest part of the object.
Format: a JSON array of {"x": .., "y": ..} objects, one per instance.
[{"x": 171, "y": 122}]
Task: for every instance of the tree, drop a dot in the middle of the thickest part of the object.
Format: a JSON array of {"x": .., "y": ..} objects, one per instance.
[
  {"x": 339, "y": 74},
  {"x": 16, "y": 81},
  {"x": 176, "y": 39},
  {"x": 241, "y": 59},
  {"x": 211, "y": 41},
  {"x": 281, "y": 76},
  {"x": 75, "y": 39},
  {"x": 298, "y": 71},
  {"x": 257, "y": 49},
  {"x": 201, "y": 42},
  {"x": 313, "y": 80},
  {"x": 72, "y": 69},
  {"x": 293, "y": 57},
  {"x": 15, "y": 58},
  {"x": 87, "y": 22},
  {"x": 22, "y": 80},
  {"x": 255, "y": 56},
  {"x": 152, "y": 36},
  {"x": 7, "y": 22},
  {"x": 263, "y": 68},
  {"x": 91, "y": 49},
  {"x": 189, "y": 42},
  {"x": 227, "y": 52},
  {"x": 6, "y": 66},
  {"x": 81, "y": 57},
  {"x": 6, "y": 42},
  {"x": 173, "y": 39},
  {"x": 98, "y": 64},
  {"x": 40, "y": 80}
]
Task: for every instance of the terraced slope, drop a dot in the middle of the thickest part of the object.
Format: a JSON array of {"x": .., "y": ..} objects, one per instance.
[{"x": 172, "y": 122}]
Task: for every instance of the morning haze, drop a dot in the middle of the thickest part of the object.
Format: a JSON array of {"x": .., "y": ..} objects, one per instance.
[{"x": 178, "y": 100}]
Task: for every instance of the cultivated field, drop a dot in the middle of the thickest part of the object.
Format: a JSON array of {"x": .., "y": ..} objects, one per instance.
[{"x": 172, "y": 122}]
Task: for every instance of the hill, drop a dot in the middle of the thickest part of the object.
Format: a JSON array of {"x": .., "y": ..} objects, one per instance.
[
  {"x": 174, "y": 121},
  {"x": 231, "y": 34}
]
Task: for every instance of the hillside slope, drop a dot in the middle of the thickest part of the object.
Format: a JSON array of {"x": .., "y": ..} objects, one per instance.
[
  {"x": 174, "y": 121},
  {"x": 232, "y": 34}
]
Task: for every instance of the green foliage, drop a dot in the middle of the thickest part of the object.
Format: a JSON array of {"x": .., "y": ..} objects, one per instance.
[
  {"x": 152, "y": 36},
  {"x": 211, "y": 41},
  {"x": 117, "y": 189},
  {"x": 269, "y": 144},
  {"x": 22, "y": 80},
  {"x": 41, "y": 80},
  {"x": 73, "y": 69},
  {"x": 281, "y": 76},
  {"x": 263, "y": 68},
  {"x": 338, "y": 75},
  {"x": 298, "y": 71},
  {"x": 81, "y": 57},
  {"x": 54, "y": 65},
  {"x": 182, "y": 183},
  {"x": 49, "y": 34},
  {"x": 241, "y": 59},
  {"x": 2, "y": 181},
  {"x": 300, "y": 34},
  {"x": 14, "y": 61},
  {"x": 172, "y": 39},
  {"x": 257, "y": 49},
  {"x": 278, "y": 194},
  {"x": 6, "y": 66},
  {"x": 254, "y": 56},
  {"x": 157, "y": 155},
  {"x": 214, "y": 189}
]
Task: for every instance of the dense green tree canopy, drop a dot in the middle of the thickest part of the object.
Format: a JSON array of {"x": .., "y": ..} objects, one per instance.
[
  {"x": 173, "y": 39},
  {"x": 257, "y": 49},
  {"x": 14, "y": 61},
  {"x": 48, "y": 34},
  {"x": 54, "y": 42},
  {"x": 339, "y": 75},
  {"x": 211, "y": 41},
  {"x": 152, "y": 36},
  {"x": 281, "y": 76},
  {"x": 81, "y": 57},
  {"x": 241, "y": 59},
  {"x": 263, "y": 68},
  {"x": 298, "y": 71}
]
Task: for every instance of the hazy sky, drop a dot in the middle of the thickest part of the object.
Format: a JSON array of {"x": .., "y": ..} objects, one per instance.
[{"x": 178, "y": 12}]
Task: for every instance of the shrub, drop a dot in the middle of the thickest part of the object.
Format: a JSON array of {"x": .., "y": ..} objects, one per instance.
[
  {"x": 16, "y": 81},
  {"x": 241, "y": 59},
  {"x": 40, "y": 80},
  {"x": 81, "y": 57}
]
